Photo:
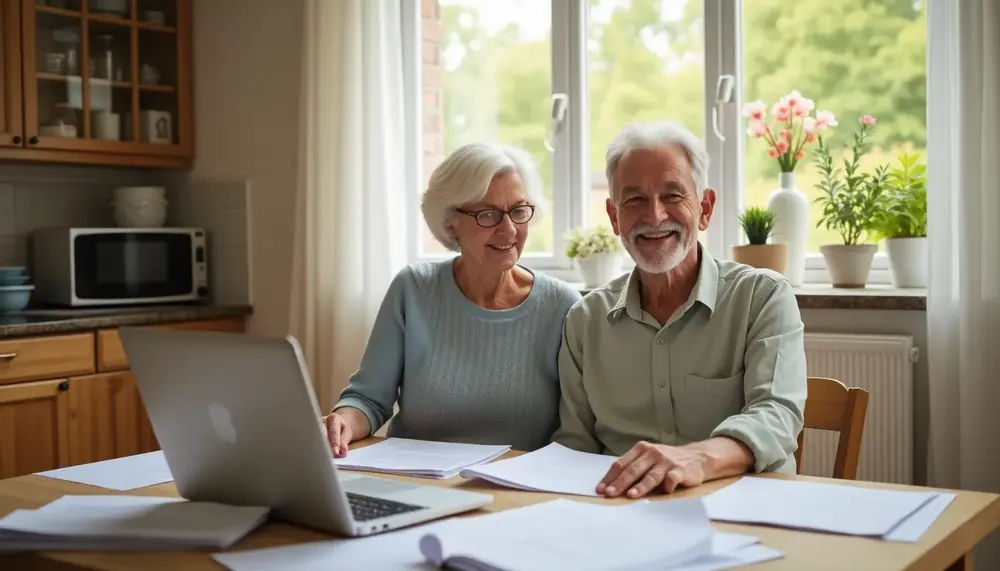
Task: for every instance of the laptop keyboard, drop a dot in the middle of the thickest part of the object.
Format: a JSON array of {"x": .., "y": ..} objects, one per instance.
[{"x": 366, "y": 508}]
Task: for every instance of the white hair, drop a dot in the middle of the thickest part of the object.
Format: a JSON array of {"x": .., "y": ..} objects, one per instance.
[
  {"x": 649, "y": 136},
  {"x": 464, "y": 178}
]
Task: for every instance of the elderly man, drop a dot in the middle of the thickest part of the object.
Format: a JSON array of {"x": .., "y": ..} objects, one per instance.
[{"x": 689, "y": 368}]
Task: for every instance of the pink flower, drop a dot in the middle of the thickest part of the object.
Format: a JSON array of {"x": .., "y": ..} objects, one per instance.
[
  {"x": 786, "y": 134},
  {"x": 781, "y": 146},
  {"x": 773, "y": 153},
  {"x": 757, "y": 129},
  {"x": 755, "y": 110},
  {"x": 781, "y": 111},
  {"x": 799, "y": 156},
  {"x": 808, "y": 124},
  {"x": 811, "y": 138},
  {"x": 867, "y": 119},
  {"x": 825, "y": 119},
  {"x": 798, "y": 104}
]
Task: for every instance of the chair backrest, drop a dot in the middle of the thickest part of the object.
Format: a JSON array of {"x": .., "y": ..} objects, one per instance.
[{"x": 831, "y": 405}]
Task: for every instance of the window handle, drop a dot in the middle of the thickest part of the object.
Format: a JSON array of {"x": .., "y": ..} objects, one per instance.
[
  {"x": 723, "y": 94},
  {"x": 560, "y": 102}
]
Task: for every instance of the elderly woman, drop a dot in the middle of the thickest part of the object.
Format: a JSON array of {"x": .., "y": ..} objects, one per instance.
[{"x": 466, "y": 347}]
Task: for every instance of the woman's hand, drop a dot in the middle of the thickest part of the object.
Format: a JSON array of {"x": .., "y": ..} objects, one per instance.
[
  {"x": 338, "y": 433},
  {"x": 344, "y": 426}
]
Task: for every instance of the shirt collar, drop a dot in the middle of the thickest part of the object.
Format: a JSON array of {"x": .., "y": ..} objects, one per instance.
[{"x": 705, "y": 291}]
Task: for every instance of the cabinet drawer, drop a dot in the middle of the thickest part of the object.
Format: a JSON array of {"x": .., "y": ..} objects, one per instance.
[
  {"x": 111, "y": 354},
  {"x": 49, "y": 357}
]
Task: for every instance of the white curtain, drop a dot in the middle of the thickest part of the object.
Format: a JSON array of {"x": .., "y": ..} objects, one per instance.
[
  {"x": 963, "y": 306},
  {"x": 353, "y": 175}
]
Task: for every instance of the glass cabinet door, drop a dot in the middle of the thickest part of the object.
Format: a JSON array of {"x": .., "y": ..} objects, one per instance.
[{"x": 105, "y": 75}]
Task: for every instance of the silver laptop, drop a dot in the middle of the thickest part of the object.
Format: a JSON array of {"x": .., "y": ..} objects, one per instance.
[{"x": 238, "y": 423}]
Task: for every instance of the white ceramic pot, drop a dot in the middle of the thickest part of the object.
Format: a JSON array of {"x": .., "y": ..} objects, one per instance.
[
  {"x": 907, "y": 261},
  {"x": 599, "y": 269},
  {"x": 848, "y": 265},
  {"x": 791, "y": 225}
]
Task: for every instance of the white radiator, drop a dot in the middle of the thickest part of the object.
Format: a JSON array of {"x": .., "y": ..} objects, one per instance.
[{"x": 882, "y": 364}]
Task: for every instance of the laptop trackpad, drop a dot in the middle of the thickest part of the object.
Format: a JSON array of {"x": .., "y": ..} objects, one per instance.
[{"x": 377, "y": 486}]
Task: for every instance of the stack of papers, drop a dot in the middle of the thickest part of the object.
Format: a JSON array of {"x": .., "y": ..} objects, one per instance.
[
  {"x": 555, "y": 468},
  {"x": 122, "y": 474},
  {"x": 560, "y": 534},
  {"x": 831, "y": 508},
  {"x": 127, "y": 523},
  {"x": 421, "y": 458}
]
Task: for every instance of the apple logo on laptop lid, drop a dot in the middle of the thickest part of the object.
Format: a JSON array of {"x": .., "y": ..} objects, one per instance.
[{"x": 222, "y": 423}]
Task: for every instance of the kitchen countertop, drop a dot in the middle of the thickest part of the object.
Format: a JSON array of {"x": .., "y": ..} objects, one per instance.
[{"x": 69, "y": 320}]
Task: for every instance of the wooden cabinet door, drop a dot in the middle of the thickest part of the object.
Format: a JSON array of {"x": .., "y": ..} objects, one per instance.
[
  {"x": 11, "y": 119},
  {"x": 33, "y": 427},
  {"x": 105, "y": 414}
]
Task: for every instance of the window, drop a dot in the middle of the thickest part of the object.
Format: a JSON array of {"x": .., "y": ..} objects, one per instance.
[{"x": 491, "y": 70}]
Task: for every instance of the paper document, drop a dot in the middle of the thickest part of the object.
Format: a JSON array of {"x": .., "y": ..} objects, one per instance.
[
  {"x": 554, "y": 468},
  {"x": 559, "y": 534},
  {"x": 422, "y": 458},
  {"x": 81, "y": 523},
  {"x": 122, "y": 474},
  {"x": 912, "y": 528},
  {"x": 832, "y": 508}
]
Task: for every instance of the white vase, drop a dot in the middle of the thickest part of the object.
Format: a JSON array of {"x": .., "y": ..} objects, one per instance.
[
  {"x": 791, "y": 225},
  {"x": 907, "y": 261},
  {"x": 599, "y": 269}
]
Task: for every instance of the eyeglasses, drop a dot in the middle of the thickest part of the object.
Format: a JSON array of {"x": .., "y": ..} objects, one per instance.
[{"x": 490, "y": 217}]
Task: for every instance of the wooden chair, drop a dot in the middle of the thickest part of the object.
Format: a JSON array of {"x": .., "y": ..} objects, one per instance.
[{"x": 830, "y": 405}]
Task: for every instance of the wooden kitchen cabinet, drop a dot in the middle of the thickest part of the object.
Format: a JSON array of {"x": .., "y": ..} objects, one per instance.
[
  {"x": 82, "y": 412},
  {"x": 97, "y": 81}
]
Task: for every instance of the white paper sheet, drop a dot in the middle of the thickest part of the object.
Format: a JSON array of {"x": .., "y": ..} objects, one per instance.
[
  {"x": 127, "y": 522},
  {"x": 121, "y": 474},
  {"x": 912, "y": 528},
  {"x": 561, "y": 534},
  {"x": 554, "y": 468},
  {"x": 831, "y": 508},
  {"x": 423, "y": 458}
]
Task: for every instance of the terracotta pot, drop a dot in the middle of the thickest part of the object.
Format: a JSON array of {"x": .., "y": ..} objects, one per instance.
[{"x": 764, "y": 256}]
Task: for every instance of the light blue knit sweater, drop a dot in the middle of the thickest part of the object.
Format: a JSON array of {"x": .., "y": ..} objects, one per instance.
[{"x": 462, "y": 373}]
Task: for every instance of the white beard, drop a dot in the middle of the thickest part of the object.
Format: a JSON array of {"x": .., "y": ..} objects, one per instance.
[{"x": 662, "y": 262}]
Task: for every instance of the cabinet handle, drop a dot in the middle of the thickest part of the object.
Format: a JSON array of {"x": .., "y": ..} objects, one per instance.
[
  {"x": 64, "y": 386},
  {"x": 7, "y": 356},
  {"x": 16, "y": 139},
  {"x": 33, "y": 140}
]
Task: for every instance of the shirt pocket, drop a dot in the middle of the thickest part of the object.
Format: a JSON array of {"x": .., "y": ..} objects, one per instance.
[{"x": 703, "y": 403}]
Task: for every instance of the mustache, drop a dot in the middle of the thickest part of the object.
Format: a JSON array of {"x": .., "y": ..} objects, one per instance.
[{"x": 665, "y": 226}]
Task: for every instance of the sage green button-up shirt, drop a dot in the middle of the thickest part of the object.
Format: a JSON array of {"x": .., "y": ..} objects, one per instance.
[{"x": 730, "y": 362}]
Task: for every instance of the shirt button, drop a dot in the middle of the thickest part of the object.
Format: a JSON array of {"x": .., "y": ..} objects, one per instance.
[
  {"x": 662, "y": 384},
  {"x": 659, "y": 340}
]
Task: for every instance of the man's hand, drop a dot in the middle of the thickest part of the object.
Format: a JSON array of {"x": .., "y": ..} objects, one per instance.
[{"x": 648, "y": 466}]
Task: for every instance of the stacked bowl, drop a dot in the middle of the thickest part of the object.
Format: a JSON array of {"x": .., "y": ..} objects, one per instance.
[{"x": 15, "y": 291}]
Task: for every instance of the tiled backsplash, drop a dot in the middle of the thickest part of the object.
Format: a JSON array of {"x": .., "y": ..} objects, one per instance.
[
  {"x": 37, "y": 196},
  {"x": 221, "y": 208}
]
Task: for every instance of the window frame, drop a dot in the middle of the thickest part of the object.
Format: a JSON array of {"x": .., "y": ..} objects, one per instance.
[{"x": 571, "y": 176}]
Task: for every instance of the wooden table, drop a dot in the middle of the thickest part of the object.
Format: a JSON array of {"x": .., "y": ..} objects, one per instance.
[{"x": 946, "y": 545}]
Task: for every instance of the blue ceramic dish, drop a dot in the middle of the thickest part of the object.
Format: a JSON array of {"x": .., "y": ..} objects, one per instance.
[
  {"x": 9, "y": 272},
  {"x": 13, "y": 280},
  {"x": 15, "y": 297}
]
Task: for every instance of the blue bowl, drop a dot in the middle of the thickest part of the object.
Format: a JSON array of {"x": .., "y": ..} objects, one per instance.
[
  {"x": 15, "y": 297},
  {"x": 13, "y": 280},
  {"x": 7, "y": 272}
]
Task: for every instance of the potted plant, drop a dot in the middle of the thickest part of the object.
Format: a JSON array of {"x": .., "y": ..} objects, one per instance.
[
  {"x": 786, "y": 139},
  {"x": 597, "y": 251},
  {"x": 757, "y": 223},
  {"x": 902, "y": 221},
  {"x": 851, "y": 199}
]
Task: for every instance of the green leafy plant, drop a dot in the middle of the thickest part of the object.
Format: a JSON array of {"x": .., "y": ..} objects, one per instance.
[
  {"x": 851, "y": 198},
  {"x": 583, "y": 244},
  {"x": 903, "y": 208},
  {"x": 757, "y": 223}
]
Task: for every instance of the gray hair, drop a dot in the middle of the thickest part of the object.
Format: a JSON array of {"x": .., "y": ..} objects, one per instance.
[
  {"x": 465, "y": 176},
  {"x": 648, "y": 136}
]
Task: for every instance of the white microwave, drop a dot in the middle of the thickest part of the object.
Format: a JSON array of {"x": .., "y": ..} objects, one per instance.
[{"x": 79, "y": 267}]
